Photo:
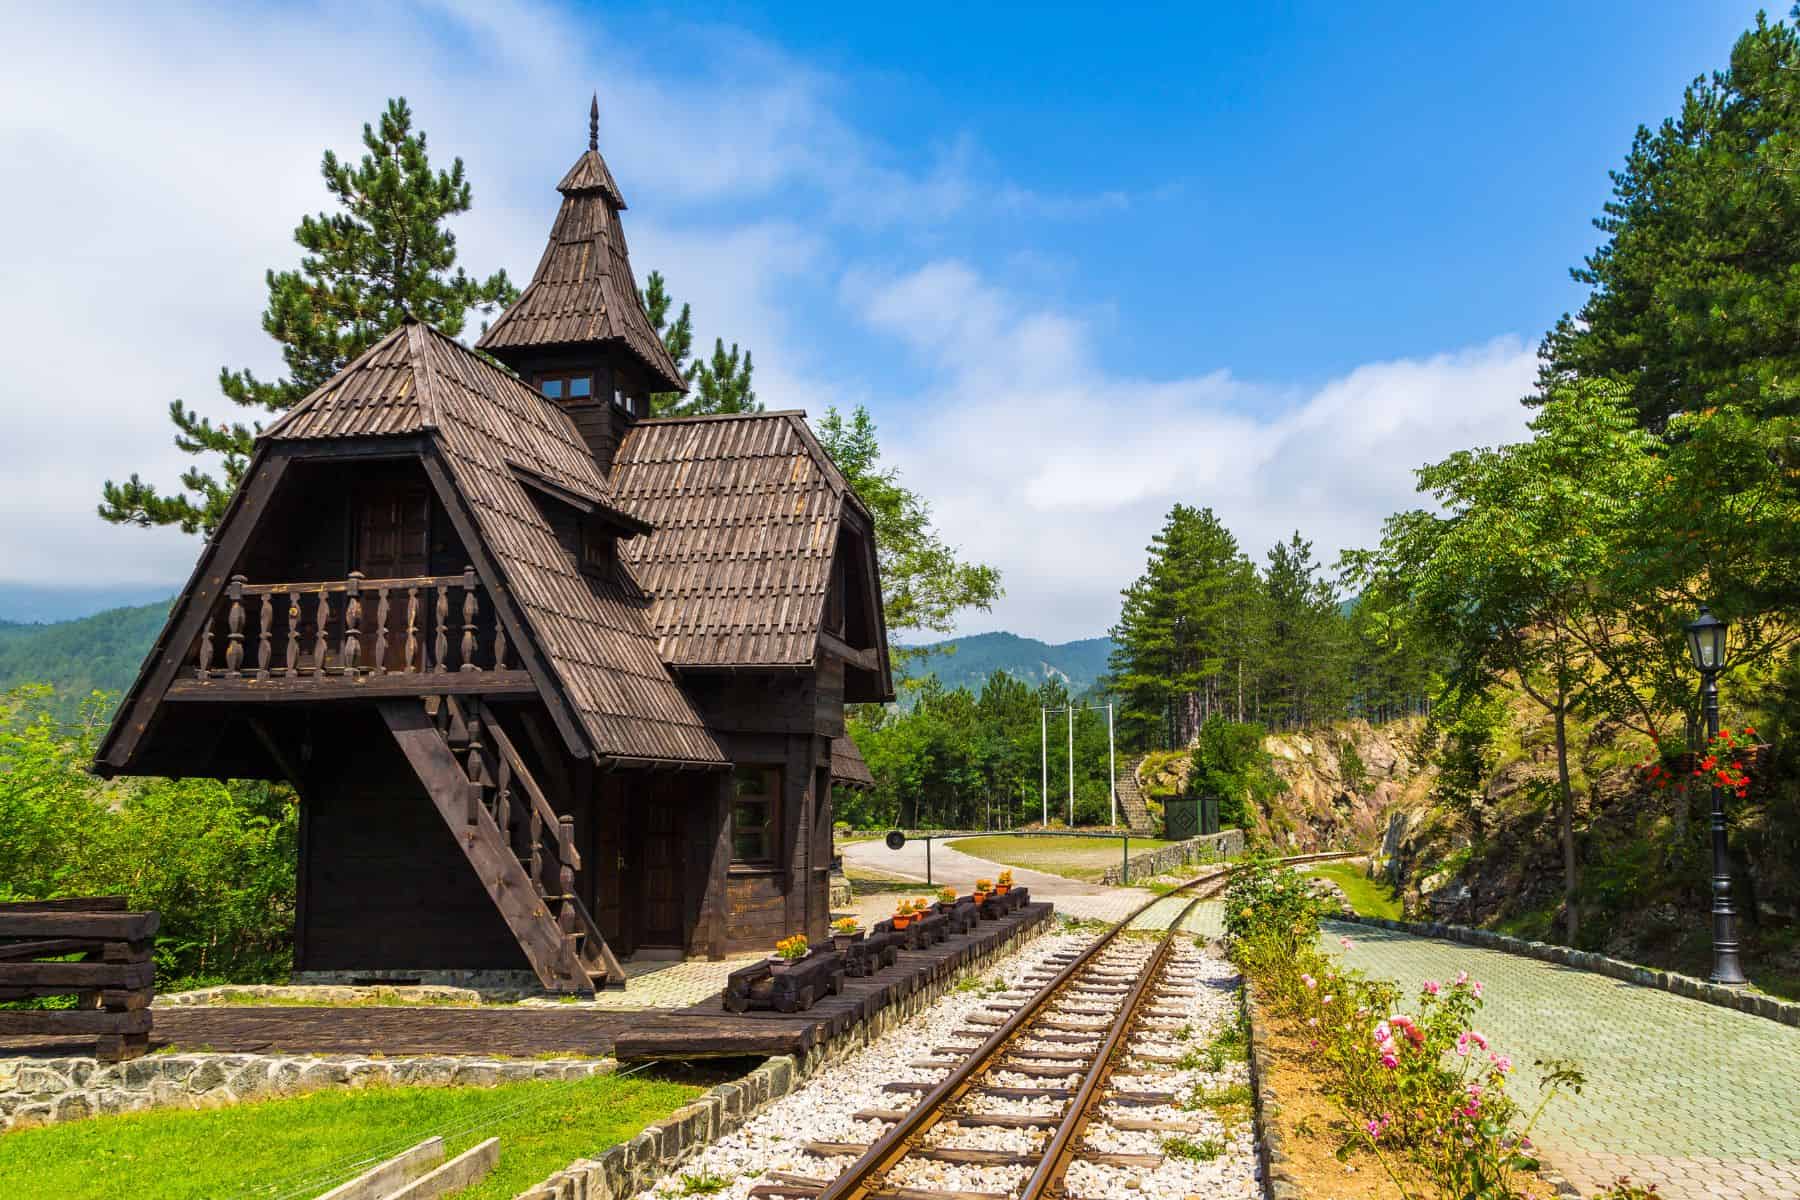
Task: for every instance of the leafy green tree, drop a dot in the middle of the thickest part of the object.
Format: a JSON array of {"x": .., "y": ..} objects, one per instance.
[
  {"x": 1230, "y": 764},
  {"x": 1517, "y": 571},
  {"x": 720, "y": 384},
  {"x": 1693, "y": 300},
  {"x": 216, "y": 860},
  {"x": 924, "y": 582},
  {"x": 384, "y": 253}
]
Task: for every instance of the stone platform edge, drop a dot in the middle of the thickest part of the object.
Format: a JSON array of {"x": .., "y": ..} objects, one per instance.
[
  {"x": 630, "y": 1167},
  {"x": 1756, "y": 1004},
  {"x": 1278, "y": 1181},
  {"x": 49, "y": 1091}
]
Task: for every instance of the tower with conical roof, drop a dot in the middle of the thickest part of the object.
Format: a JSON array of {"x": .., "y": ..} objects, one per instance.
[{"x": 579, "y": 332}]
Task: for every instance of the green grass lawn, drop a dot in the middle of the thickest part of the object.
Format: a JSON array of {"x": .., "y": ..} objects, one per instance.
[
  {"x": 1073, "y": 857},
  {"x": 1370, "y": 897},
  {"x": 306, "y": 1145}
]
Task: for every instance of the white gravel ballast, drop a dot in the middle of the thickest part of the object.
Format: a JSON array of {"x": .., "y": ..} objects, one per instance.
[{"x": 1211, "y": 1155}]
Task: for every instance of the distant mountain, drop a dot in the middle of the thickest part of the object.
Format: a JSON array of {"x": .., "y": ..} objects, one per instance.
[
  {"x": 968, "y": 661},
  {"x": 76, "y": 657}
]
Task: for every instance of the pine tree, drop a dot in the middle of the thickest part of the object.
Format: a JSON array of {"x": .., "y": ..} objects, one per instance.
[
  {"x": 720, "y": 384},
  {"x": 385, "y": 253}
]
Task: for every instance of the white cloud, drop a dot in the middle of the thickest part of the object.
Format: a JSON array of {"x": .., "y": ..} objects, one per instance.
[
  {"x": 162, "y": 156},
  {"x": 1042, "y": 462}
]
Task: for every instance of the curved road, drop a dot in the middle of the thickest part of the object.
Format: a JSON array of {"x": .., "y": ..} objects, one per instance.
[{"x": 956, "y": 869}]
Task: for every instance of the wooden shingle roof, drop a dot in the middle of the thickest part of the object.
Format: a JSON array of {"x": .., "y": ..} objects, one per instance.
[
  {"x": 848, "y": 766},
  {"x": 746, "y": 509},
  {"x": 593, "y": 633},
  {"x": 583, "y": 292}
]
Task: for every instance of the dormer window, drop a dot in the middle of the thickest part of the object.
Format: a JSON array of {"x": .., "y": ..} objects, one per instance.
[{"x": 567, "y": 387}]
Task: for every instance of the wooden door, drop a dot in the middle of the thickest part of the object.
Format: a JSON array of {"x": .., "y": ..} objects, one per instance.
[
  {"x": 659, "y": 870},
  {"x": 393, "y": 531}
]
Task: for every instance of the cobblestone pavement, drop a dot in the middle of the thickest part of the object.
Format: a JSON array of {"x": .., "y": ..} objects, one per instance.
[
  {"x": 662, "y": 984},
  {"x": 1700, "y": 1100}
]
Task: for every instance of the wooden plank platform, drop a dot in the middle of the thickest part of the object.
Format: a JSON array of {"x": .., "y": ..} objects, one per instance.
[{"x": 700, "y": 1031}]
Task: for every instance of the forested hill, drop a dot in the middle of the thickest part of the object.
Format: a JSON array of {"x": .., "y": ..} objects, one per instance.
[
  {"x": 75, "y": 657},
  {"x": 968, "y": 661}
]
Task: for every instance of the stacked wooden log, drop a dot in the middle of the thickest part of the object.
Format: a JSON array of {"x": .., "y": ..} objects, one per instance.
[{"x": 90, "y": 948}]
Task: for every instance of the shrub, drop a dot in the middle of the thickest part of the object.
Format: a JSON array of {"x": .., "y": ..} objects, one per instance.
[
  {"x": 1264, "y": 899},
  {"x": 1230, "y": 763}
]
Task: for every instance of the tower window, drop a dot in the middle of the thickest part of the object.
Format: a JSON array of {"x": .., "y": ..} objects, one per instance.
[{"x": 566, "y": 387}]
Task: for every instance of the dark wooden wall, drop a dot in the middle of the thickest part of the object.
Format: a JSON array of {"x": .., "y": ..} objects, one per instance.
[{"x": 383, "y": 883}]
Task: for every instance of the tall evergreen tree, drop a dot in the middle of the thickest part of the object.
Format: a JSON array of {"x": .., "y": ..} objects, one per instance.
[
  {"x": 1304, "y": 672},
  {"x": 384, "y": 253},
  {"x": 720, "y": 384},
  {"x": 1179, "y": 639}
]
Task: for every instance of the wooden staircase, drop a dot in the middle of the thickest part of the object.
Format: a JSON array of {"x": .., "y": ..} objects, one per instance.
[
  {"x": 1131, "y": 800},
  {"x": 520, "y": 847}
]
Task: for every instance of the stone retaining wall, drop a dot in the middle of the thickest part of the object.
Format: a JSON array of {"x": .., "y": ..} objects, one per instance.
[
  {"x": 632, "y": 1166},
  {"x": 45, "y": 1091},
  {"x": 1227, "y": 843},
  {"x": 1755, "y": 1003}
]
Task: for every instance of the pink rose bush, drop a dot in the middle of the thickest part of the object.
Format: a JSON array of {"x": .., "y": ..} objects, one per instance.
[{"x": 1419, "y": 1085}]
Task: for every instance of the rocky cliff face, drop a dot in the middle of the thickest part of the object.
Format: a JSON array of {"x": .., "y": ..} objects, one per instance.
[{"x": 1342, "y": 784}]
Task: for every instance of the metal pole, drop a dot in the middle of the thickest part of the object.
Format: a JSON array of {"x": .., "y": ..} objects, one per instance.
[
  {"x": 1726, "y": 969},
  {"x": 1071, "y": 764},
  {"x": 928, "y": 862},
  {"x": 1112, "y": 765},
  {"x": 1044, "y": 756}
]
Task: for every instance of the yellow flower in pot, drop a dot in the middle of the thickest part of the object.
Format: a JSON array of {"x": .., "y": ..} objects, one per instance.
[
  {"x": 1005, "y": 884},
  {"x": 791, "y": 949},
  {"x": 947, "y": 896}
]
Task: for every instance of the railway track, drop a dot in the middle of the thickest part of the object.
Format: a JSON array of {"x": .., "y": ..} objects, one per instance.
[{"x": 1031, "y": 1074}]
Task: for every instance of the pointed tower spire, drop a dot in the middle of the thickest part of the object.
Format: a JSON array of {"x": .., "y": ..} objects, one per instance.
[{"x": 580, "y": 317}]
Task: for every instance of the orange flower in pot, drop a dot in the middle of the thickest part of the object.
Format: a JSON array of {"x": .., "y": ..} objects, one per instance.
[
  {"x": 903, "y": 914},
  {"x": 946, "y": 898},
  {"x": 1005, "y": 884},
  {"x": 983, "y": 889}
]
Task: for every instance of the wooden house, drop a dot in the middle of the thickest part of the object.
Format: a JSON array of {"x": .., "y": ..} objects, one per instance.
[{"x": 556, "y": 683}]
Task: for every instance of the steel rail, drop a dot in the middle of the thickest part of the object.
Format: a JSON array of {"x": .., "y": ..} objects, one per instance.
[
  {"x": 856, "y": 1182},
  {"x": 1047, "y": 1177}
]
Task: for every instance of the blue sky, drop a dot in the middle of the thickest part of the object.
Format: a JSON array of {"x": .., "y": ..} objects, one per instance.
[{"x": 1080, "y": 264}]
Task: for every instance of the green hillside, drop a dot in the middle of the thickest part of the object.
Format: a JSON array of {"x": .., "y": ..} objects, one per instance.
[
  {"x": 76, "y": 657},
  {"x": 968, "y": 661}
]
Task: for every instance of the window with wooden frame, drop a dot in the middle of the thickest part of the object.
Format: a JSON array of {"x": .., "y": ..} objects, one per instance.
[
  {"x": 577, "y": 385},
  {"x": 755, "y": 809}
]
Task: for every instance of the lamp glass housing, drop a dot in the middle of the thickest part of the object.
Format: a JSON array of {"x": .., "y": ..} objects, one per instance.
[{"x": 1706, "y": 642}]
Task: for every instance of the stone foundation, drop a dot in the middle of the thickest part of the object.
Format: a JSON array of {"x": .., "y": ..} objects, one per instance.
[
  {"x": 1227, "y": 843},
  {"x": 46, "y": 1091},
  {"x": 492, "y": 985}
]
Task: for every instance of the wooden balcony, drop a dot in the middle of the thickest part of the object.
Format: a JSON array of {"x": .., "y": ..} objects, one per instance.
[{"x": 353, "y": 637}]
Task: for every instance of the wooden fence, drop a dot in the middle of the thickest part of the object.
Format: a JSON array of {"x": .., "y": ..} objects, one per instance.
[{"x": 91, "y": 948}]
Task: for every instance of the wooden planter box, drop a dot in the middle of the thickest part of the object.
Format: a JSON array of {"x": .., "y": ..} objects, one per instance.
[{"x": 786, "y": 987}]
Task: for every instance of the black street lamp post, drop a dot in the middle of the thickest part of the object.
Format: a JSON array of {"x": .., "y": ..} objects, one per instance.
[{"x": 1706, "y": 642}]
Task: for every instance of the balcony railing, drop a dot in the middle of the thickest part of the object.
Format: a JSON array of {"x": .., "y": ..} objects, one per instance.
[{"x": 352, "y": 630}]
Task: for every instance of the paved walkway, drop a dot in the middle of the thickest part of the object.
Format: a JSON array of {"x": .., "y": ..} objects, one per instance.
[
  {"x": 952, "y": 867},
  {"x": 1700, "y": 1100}
]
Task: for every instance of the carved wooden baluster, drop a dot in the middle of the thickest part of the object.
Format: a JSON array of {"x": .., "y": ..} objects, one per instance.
[
  {"x": 321, "y": 620},
  {"x": 499, "y": 643},
  {"x": 537, "y": 851},
  {"x": 293, "y": 638},
  {"x": 205, "y": 667},
  {"x": 234, "y": 629},
  {"x": 471, "y": 607},
  {"x": 352, "y": 644},
  {"x": 412, "y": 628},
  {"x": 503, "y": 802},
  {"x": 565, "y": 875},
  {"x": 381, "y": 628},
  {"x": 477, "y": 770},
  {"x": 442, "y": 644},
  {"x": 265, "y": 618}
]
